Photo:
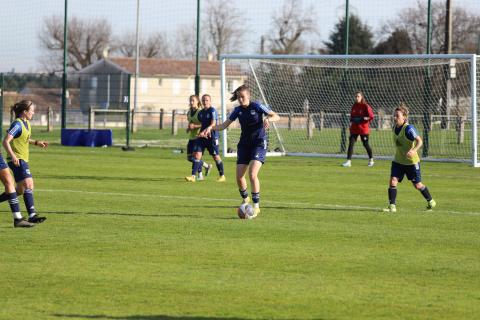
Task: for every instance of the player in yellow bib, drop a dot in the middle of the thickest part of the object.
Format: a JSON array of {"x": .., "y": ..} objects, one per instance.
[
  {"x": 193, "y": 129},
  {"x": 17, "y": 143},
  {"x": 406, "y": 160}
]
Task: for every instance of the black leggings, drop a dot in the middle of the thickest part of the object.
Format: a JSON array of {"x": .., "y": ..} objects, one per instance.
[{"x": 351, "y": 143}]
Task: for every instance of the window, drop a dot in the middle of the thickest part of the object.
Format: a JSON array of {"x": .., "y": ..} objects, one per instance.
[
  {"x": 229, "y": 86},
  {"x": 176, "y": 86},
  {"x": 160, "y": 82},
  {"x": 144, "y": 85},
  {"x": 212, "y": 83},
  {"x": 94, "y": 82}
]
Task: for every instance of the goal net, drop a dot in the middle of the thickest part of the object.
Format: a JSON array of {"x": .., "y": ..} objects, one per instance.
[{"x": 313, "y": 95}]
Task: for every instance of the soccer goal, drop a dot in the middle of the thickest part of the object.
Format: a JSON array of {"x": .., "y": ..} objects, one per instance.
[{"x": 313, "y": 95}]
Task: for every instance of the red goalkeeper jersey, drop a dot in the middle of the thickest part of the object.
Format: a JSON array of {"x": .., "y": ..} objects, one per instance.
[{"x": 360, "y": 118}]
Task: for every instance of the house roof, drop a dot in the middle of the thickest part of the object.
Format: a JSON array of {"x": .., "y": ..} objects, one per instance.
[{"x": 168, "y": 66}]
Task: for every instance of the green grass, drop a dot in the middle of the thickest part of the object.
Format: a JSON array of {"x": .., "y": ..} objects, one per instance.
[
  {"x": 127, "y": 238},
  {"x": 442, "y": 143}
]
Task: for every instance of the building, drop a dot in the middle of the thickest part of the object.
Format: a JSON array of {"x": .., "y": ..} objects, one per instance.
[{"x": 162, "y": 83}]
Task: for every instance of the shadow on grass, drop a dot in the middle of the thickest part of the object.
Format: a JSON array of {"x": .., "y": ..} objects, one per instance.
[
  {"x": 148, "y": 317},
  {"x": 106, "y": 178}
]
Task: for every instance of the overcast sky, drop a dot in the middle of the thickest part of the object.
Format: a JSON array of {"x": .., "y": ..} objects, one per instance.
[{"x": 21, "y": 20}]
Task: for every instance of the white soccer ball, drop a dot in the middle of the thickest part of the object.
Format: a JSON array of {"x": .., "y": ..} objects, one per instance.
[{"x": 245, "y": 211}]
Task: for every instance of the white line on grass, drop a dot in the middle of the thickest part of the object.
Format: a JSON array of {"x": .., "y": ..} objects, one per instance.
[{"x": 290, "y": 204}]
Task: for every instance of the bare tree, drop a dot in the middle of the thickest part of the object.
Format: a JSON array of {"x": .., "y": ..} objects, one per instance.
[
  {"x": 414, "y": 21},
  {"x": 154, "y": 46},
  {"x": 185, "y": 42},
  {"x": 290, "y": 24},
  {"x": 223, "y": 26},
  {"x": 86, "y": 41}
]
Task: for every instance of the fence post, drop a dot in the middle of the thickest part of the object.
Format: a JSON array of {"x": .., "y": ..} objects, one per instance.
[
  {"x": 91, "y": 119},
  {"x": 174, "y": 123},
  {"x": 343, "y": 138},
  {"x": 160, "y": 125},
  {"x": 310, "y": 125},
  {"x": 50, "y": 119},
  {"x": 461, "y": 129},
  {"x": 322, "y": 120},
  {"x": 290, "y": 119}
]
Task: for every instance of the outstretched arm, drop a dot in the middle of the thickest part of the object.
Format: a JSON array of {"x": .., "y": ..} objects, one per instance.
[
  {"x": 219, "y": 127},
  {"x": 40, "y": 143}
]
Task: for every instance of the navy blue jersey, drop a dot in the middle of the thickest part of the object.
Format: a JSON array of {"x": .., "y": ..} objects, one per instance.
[
  {"x": 410, "y": 132},
  {"x": 206, "y": 116},
  {"x": 251, "y": 121},
  {"x": 15, "y": 129}
]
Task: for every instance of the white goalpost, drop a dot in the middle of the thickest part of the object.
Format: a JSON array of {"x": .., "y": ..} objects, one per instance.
[{"x": 313, "y": 95}]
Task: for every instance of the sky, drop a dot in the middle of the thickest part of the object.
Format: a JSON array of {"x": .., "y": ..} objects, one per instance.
[{"x": 21, "y": 20}]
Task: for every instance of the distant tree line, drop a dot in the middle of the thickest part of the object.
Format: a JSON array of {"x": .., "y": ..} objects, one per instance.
[{"x": 294, "y": 30}]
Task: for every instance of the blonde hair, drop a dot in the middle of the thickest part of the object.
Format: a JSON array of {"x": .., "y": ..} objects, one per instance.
[
  {"x": 199, "y": 104},
  {"x": 403, "y": 109}
]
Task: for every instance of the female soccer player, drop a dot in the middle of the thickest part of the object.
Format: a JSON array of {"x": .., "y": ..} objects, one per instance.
[
  {"x": 208, "y": 117},
  {"x": 193, "y": 129},
  {"x": 17, "y": 143},
  {"x": 11, "y": 195},
  {"x": 252, "y": 147},
  {"x": 406, "y": 160},
  {"x": 360, "y": 117}
]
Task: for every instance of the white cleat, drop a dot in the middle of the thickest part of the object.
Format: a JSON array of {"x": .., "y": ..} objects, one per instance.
[{"x": 347, "y": 164}]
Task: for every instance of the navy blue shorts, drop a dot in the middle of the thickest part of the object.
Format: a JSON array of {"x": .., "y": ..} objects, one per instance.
[
  {"x": 246, "y": 153},
  {"x": 3, "y": 164},
  {"x": 22, "y": 172},
  {"x": 211, "y": 144},
  {"x": 412, "y": 171},
  {"x": 191, "y": 146}
]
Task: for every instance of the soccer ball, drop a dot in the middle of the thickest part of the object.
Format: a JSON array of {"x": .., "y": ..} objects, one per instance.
[{"x": 245, "y": 211}]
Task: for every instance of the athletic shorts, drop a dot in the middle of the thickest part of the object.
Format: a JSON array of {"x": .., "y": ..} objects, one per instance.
[
  {"x": 412, "y": 171},
  {"x": 247, "y": 153},
  {"x": 211, "y": 144},
  {"x": 3, "y": 164},
  {"x": 191, "y": 146},
  {"x": 22, "y": 172}
]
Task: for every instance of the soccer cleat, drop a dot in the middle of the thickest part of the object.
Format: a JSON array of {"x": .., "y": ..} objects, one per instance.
[
  {"x": 391, "y": 208},
  {"x": 36, "y": 219},
  {"x": 431, "y": 204},
  {"x": 207, "y": 170},
  {"x": 371, "y": 163},
  {"x": 246, "y": 200},
  {"x": 347, "y": 164},
  {"x": 190, "y": 178},
  {"x": 221, "y": 179},
  {"x": 256, "y": 212},
  {"x": 22, "y": 223}
]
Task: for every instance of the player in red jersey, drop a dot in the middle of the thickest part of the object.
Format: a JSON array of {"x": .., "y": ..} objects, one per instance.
[{"x": 360, "y": 117}]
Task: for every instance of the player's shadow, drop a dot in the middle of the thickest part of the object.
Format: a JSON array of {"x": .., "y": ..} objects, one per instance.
[
  {"x": 287, "y": 208},
  {"x": 143, "y": 317},
  {"x": 137, "y": 215},
  {"x": 151, "y": 317},
  {"x": 106, "y": 178}
]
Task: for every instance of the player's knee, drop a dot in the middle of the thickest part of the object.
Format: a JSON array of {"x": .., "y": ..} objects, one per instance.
[
  {"x": 418, "y": 186},
  {"x": 393, "y": 182}
]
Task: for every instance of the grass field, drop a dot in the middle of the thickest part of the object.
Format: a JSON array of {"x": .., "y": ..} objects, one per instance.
[{"x": 127, "y": 238}]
